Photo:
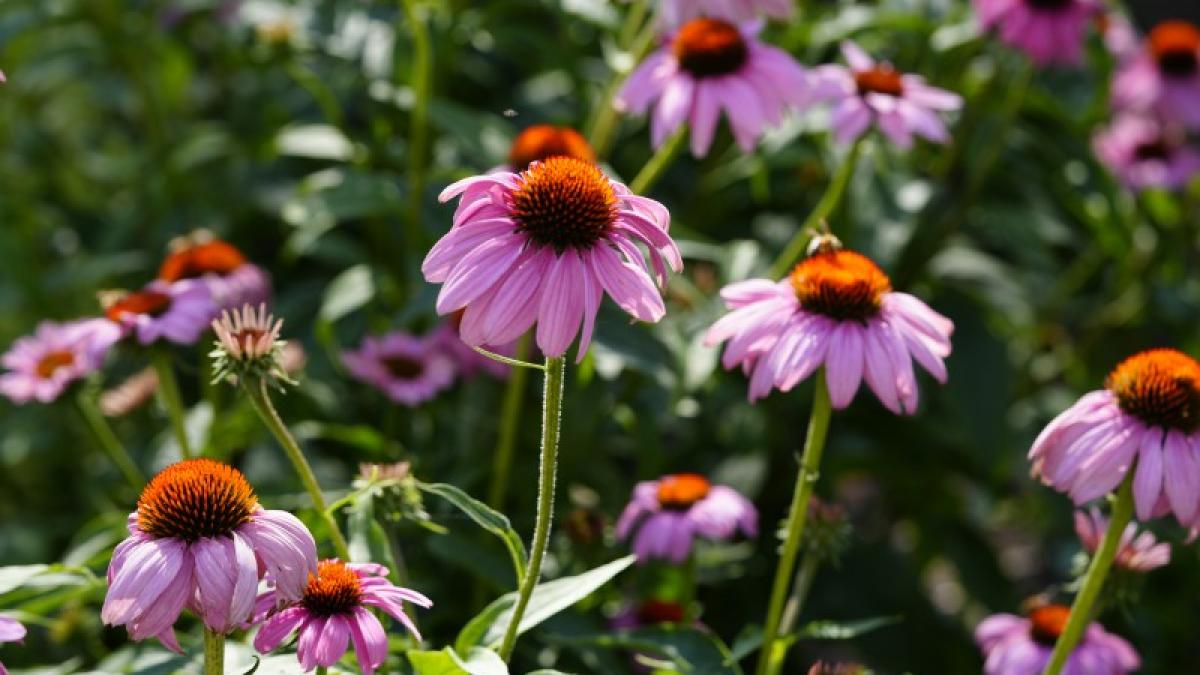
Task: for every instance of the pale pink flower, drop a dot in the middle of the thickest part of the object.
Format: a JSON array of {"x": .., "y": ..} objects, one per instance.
[
  {"x": 1146, "y": 153},
  {"x": 1049, "y": 31},
  {"x": 1014, "y": 645},
  {"x": 1135, "y": 552},
  {"x": 10, "y": 629},
  {"x": 178, "y": 312},
  {"x": 232, "y": 281},
  {"x": 41, "y": 366},
  {"x": 665, "y": 516},
  {"x": 677, "y": 12},
  {"x": 408, "y": 369},
  {"x": 1164, "y": 77}
]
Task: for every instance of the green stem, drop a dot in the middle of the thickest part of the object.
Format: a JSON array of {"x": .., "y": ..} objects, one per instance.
[
  {"x": 418, "y": 121},
  {"x": 510, "y": 421},
  {"x": 770, "y": 661},
  {"x": 603, "y": 125},
  {"x": 108, "y": 441},
  {"x": 214, "y": 653},
  {"x": 659, "y": 162},
  {"x": 829, "y": 201},
  {"x": 551, "y": 422},
  {"x": 809, "y": 565},
  {"x": 1093, "y": 581},
  {"x": 168, "y": 393},
  {"x": 261, "y": 400}
]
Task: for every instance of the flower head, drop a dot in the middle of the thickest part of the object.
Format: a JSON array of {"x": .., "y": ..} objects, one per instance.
[
  {"x": 1164, "y": 78},
  {"x": 408, "y": 369},
  {"x": 1135, "y": 553},
  {"x": 870, "y": 92},
  {"x": 334, "y": 611},
  {"x": 41, "y": 366},
  {"x": 248, "y": 345},
  {"x": 10, "y": 631},
  {"x": 666, "y": 515},
  {"x": 199, "y": 539},
  {"x": 1148, "y": 413},
  {"x": 231, "y": 279},
  {"x": 677, "y": 12},
  {"x": 837, "y": 309},
  {"x": 710, "y": 65},
  {"x": 1014, "y": 645},
  {"x": 540, "y": 142},
  {"x": 178, "y": 312},
  {"x": 1147, "y": 153},
  {"x": 544, "y": 246},
  {"x": 1049, "y": 31}
]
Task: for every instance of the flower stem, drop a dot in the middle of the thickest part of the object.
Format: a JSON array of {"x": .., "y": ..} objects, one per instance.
[
  {"x": 1093, "y": 581},
  {"x": 659, "y": 162},
  {"x": 109, "y": 442},
  {"x": 809, "y": 565},
  {"x": 214, "y": 653},
  {"x": 829, "y": 201},
  {"x": 261, "y": 400},
  {"x": 603, "y": 125},
  {"x": 771, "y": 660},
  {"x": 418, "y": 120},
  {"x": 510, "y": 421},
  {"x": 551, "y": 422},
  {"x": 168, "y": 392}
]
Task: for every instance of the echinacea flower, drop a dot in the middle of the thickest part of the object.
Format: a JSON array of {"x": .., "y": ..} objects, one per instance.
[
  {"x": 1146, "y": 153},
  {"x": 335, "y": 611},
  {"x": 676, "y": 12},
  {"x": 1049, "y": 31},
  {"x": 408, "y": 369},
  {"x": 710, "y": 65},
  {"x": 1164, "y": 78},
  {"x": 868, "y": 92},
  {"x": 1014, "y": 645},
  {"x": 540, "y": 142},
  {"x": 544, "y": 246},
  {"x": 1146, "y": 419},
  {"x": 199, "y": 539},
  {"x": 41, "y": 366},
  {"x": 665, "y": 516},
  {"x": 837, "y": 309},
  {"x": 1120, "y": 37},
  {"x": 231, "y": 279},
  {"x": 248, "y": 345},
  {"x": 178, "y": 312},
  {"x": 10, "y": 631},
  {"x": 1135, "y": 552}
]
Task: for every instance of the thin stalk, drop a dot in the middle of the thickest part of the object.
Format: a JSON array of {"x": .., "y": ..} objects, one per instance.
[
  {"x": 551, "y": 422},
  {"x": 1093, "y": 582},
  {"x": 603, "y": 125},
  {"x": 168, "y": 393},
  {"x": 421, "y": 84},
  {"x": 510, "y": 421},
  {"x": 771, "y": 660},
  {"x": 829, "y": 201},
  {"x": 809, "y": 565},
  {"x": 261, "y": 400},
  {"x": 109, "y": 443},
  {"x": 659, "y": 162},
  {"x": 214, "y": 653}
]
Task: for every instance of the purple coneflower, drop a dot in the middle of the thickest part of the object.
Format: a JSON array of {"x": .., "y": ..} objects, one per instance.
[
  {"x": 334, "y": 611},
  {"x": 837, "y": 309},
  {"x": 1013, "y": 645},
  {"x": 199, "y": 539},
  {"x": 178, "y": 312},
  {"x": 1149, "y": 412},
  {"x": 41, "y": 366},
  {"x": 676, "y": 12},
  {"x": 1146, "y": 153},
  {"x": 231, "y": 279},
  {"x": 665, "y": 516},
  {"x": 870, "y": 92},
  {"x": 1136, "y": 552},
  {"x": 10, "y": 631},
  {"x": 1164, "y": 77},
  {"x": 710, "y": 65},
  {"x": 1049, "y": 31},
  {"x": 540, "y": 142},
  {"x": 408, "y": 369},
  {"x": 544, "y": 246}
]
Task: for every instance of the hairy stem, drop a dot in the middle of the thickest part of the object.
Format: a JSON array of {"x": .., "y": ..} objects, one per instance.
[{"x": 214, "y": 653}]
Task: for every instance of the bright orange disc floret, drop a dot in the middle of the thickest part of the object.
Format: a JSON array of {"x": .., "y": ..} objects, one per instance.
[
  {"x": 195, "y": 498},
  {"x": 682, "y": 490},
  {"x": 840, "y": 284},
  {"x": 334, "y": 589},
  {"x": 196, "y": 260},
  {"x": 543, "y": 141},
  {"x": 1161, "y": 387}
]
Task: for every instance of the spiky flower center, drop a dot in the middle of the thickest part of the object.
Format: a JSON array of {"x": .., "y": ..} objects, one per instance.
[
  {"x": 840, "y": 284},
  {"x": 1161, "y": 387},
  {"x": 1157, "y": 149},
  {"x": 660, "y": 611},
  {"x": 334, "y": 589},
  {"x": 680, "y": 491},
  {"x": 882, "y": 79},
  {"x": 1047, "y": 622},
  {"x": 404, "y": 367},
  {"x": 565, "y": 203},
  {"x": 1049, "y": 4},
  {"x": 195, "y": 498},
  {"x": 543, "y": 141},
  {"x": 1175, "y": 46},
  {"x": 150, "y": 303},
  {"x": 709, "y": 47},
  {"x": 196, "y": 260},
  {"x": 52, "y": 361}
]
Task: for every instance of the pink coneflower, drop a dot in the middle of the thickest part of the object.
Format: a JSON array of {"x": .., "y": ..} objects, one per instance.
[
  {"x": 1148, "y": 412},
  {"x": 41, "y": 366},
  {"x": 676, "y": 12},
  {"x": 1165, "y": 76},
  {"x": 1013, "y": 645},
  {"x": 334, "y": 612},
  {"x": 230, "y": 278},
  {"x": 837, "y": 309},
  {"x": 1146, "y": 153},
  {"x": 666, "y": 515},
  {"x": 1120, "y": 37},
  {"x": 178, "y": 312},
  {"x": 1135, "y": 552},
  {"x": 10, "y": 631},
  {"x": 540, "y": 142},
  {"x": 1049, "y": 31},
  {"x": 870, "y": 92},
  {"x": 248, "y": 347},
  {"x": 467, "y": 361},
  {"x": 544, "y": 246},
  {"x": 710, "y": 65},
  {"x": 409, "y": 369},
  {"x": 199, "y": 540}
]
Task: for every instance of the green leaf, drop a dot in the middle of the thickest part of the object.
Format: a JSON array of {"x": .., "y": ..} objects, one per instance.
[
  {"x": 368, "y": 542},
  {"x": 447, "y": 662},
  {"x": 837, "y": 630},
  {"x": 486, "y": 517},
  {"x": 14, "y": 576},
  {"x": 691, "y": 650},
  {"x": 349, "y": 291}
]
